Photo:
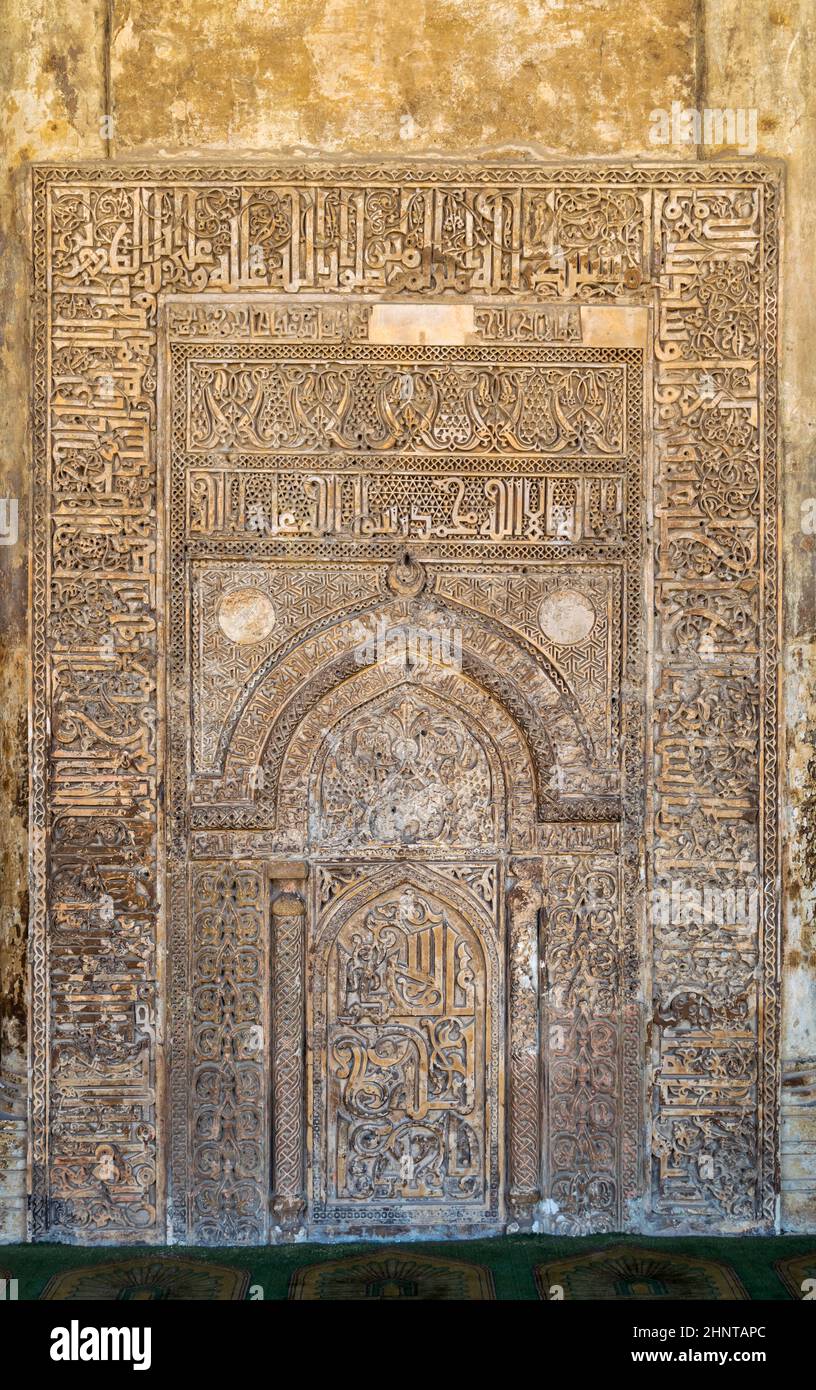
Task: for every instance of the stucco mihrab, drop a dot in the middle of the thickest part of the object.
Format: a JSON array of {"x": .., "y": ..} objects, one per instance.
[{"x": 385, "y": 481}]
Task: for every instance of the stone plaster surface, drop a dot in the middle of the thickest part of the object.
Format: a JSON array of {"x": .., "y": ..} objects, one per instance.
[{"x": 338, "y": 76}]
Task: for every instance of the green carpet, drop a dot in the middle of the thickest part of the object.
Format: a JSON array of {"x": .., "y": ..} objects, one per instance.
[{"x": 510, "y": 1268}]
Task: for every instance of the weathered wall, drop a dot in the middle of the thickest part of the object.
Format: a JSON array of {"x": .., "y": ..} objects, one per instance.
[
  {"x": 340, "y": 76},
  {"x": 560, "y": 77},
  {"x": 53, "y": 84}
]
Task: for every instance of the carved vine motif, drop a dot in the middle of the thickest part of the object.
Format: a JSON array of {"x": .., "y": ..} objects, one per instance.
[
  {"x": 405, "y": 1043},
  {"x": 532, "y": 247},
  {"x": 583, "y": 970},
  {"x": 229, "y": 1120},
  {"x": 405, "y": 1121},
  {"x": 402, "y": 773},
  {"x": 288, "y": 919},
  {"x": 367, "y": 407}
]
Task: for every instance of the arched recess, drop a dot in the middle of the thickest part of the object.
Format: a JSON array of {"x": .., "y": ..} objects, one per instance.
[
  {"x": 404, "y": 1018},
  {"x": 439, "y": 746},
  {"x": 391, "y": 779}
]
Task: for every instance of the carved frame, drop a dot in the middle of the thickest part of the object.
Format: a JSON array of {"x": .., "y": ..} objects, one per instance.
[{"x": 698, "y": 244}]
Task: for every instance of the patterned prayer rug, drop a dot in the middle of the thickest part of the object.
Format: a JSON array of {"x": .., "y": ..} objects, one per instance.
[
  {"x": 392, "y": 1274},
  {"x": 798, "y": 1274},
  {"x": 149, "y": 1277},
  {"x": 635, "y": 1272}
]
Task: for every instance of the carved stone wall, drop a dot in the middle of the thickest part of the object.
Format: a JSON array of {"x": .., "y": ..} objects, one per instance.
[{"x": 529, "y": 407}]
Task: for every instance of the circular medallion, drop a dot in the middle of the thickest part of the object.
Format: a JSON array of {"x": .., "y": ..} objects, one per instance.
[
  {"x": 246, "y": 615},
  {"x": 566, "y": 617},
  {"x": 406, "y": 577}
]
